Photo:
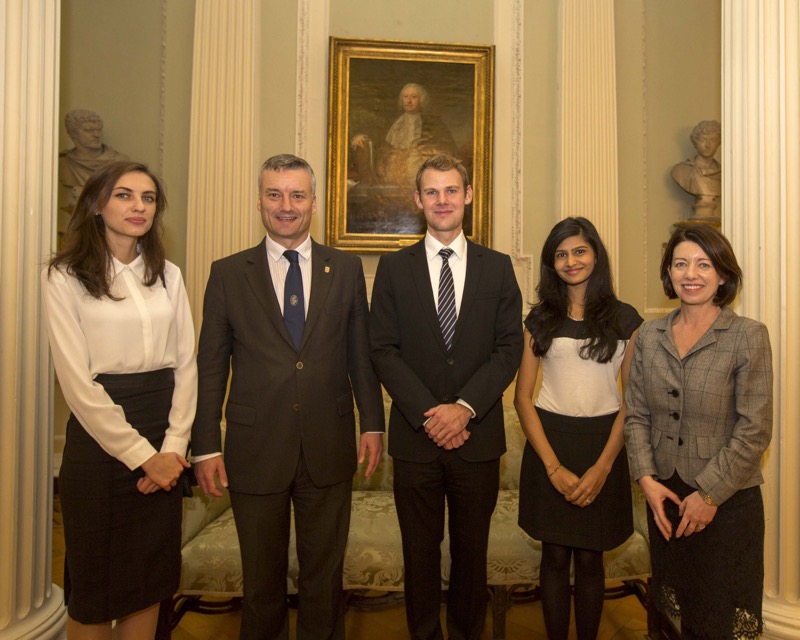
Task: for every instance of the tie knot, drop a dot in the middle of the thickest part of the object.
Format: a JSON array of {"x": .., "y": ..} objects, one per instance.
[
  {"x": 292, "y": 256},
  {"x": 446, "y": 252}
]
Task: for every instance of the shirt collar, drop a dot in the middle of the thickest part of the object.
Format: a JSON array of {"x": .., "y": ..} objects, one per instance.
[
  {"x": 275, "y": 250},
  {"x": 137, "y": 266},
  {"x": 433, "y": 246}
]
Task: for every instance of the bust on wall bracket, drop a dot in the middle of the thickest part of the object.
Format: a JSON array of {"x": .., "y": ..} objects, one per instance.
[
  {"x": 76, "y": 165},
  {"x": 701, "y": 176}
]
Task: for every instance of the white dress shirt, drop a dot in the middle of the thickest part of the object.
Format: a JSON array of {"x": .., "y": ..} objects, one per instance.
[
  {"x": 458, "y": 266},
  {"x": 279, "y": 266},
  {"x": 149, "y": 329}
]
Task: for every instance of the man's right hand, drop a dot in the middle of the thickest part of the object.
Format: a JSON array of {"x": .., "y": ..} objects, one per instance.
[
  {"x": 359, "y": 140},
  {"x": 207, "y": 471}
]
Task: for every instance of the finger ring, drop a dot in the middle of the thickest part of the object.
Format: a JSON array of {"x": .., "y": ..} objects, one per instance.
[{"x": 588, "y": 501}]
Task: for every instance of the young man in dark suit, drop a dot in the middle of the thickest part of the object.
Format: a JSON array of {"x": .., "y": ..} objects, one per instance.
[
  {"x": 288, "y": 319},
  {"x": 446, "y": 341}
]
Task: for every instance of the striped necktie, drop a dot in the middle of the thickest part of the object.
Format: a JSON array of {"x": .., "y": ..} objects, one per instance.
[{"x": 447, "y": 299}]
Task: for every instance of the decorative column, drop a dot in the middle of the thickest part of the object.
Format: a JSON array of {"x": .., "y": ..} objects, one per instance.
[
  {"x": 222, "y": 156},
  {"x": 509, "y": 135},
  {"x": 30, "y": 605},
  {"x": 761, "y": 165},
  {"x": 588, "y": 141}
]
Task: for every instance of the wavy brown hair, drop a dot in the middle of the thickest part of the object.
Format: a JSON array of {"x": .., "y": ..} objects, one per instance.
[{"x": 86, "y": 254}]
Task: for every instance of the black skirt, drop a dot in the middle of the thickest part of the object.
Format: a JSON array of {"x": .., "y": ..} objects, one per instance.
[
  {"x": 545, "y": 515},
  {"x": 122, "y": 547},
  {"x": 713, "y": 579}
]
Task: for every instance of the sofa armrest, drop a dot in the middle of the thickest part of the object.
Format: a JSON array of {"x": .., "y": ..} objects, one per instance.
[
  {"x": 639, "y": 510},
  {"x": 199, "y": 511}
]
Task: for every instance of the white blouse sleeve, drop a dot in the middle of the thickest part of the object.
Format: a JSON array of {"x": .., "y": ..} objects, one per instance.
[
  {"x": 95, "y": 410},
  {"x": 184, "y": 398}
]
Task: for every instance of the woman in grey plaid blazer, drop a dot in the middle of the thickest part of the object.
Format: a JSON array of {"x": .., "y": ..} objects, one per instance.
[{"x": 699, "y": 418}]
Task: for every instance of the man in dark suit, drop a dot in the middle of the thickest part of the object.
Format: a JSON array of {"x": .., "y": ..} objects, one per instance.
[
  {"x": 289, "y": 320},
  {"x": 446, "y": 341}
]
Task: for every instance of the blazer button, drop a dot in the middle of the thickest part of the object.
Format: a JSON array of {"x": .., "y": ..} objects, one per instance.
[
  {"x": 295, "y": 408},
  {"x": 675, "y": 415},
  {"x": 680, "y": 441},
  {"x": 450, "y": 361},
  {"x": 674, "y": 393},
  {"x": 299, "y": 365}
]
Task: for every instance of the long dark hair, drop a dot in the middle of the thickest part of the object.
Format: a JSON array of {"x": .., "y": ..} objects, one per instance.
[
  {"x": 86, "y": 254},
  {"x": 601, "y": 315}
]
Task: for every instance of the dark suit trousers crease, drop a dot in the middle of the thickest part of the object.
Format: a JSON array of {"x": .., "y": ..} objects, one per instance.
[
  {"x": 470, "y": 489},
  {"x": 322, "y": 521}
]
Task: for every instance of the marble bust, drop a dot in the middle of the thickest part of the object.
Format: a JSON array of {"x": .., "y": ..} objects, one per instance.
[
  {"x": 89, "y": 154},
  {"x": 701, "y": 176}
]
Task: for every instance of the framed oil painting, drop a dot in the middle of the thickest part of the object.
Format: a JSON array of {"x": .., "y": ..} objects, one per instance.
[{"x": 392, "y": 105}]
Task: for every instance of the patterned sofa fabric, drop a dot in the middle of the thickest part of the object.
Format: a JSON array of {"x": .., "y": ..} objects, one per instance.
[{"x": 374, "y": 557}]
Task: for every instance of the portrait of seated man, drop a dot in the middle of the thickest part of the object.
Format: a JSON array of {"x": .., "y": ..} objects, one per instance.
[
  {"x": 412, "y": 137},
  {"x": 384, "y": 158}
]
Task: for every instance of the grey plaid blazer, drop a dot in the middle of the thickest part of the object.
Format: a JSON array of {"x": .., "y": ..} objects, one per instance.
[{"x": 708, "y": 416}]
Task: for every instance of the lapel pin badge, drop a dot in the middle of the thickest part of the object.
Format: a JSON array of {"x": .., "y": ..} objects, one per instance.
[{"x": 327, "y": 269}]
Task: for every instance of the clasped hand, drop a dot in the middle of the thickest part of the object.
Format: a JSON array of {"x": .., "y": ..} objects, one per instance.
[
  {"x": 447, "y": 425},
  {"x": 162, "y": 471},
  {"x": 579, "y": 491},
  {"x": 695, "y": 514}
]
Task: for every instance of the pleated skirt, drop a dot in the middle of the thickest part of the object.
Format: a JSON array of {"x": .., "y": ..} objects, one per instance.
[{"x": 122, "y": 547}]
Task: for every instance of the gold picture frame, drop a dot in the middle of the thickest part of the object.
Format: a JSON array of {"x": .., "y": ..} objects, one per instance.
[{"x": 379, "y": 134}]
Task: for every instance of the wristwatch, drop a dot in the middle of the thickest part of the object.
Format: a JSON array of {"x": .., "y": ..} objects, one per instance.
[{"x": 707, "y": 498}]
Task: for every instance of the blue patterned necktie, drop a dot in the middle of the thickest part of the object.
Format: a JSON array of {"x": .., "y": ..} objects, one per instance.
[
  {"x": 447, "y": 299},
  {"x": 294, "y": 310}
]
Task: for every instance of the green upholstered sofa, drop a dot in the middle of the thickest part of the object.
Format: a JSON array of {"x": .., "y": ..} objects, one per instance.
[{"x": 373, "y": 568}]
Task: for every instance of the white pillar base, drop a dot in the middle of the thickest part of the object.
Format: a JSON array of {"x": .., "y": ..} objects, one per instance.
[
  {"x": 781, "y": 620},
  {"x": 48, "y": 622}
]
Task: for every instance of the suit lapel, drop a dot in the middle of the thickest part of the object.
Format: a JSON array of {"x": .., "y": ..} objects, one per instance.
[
  {"x": 723, "y": 322},
  {"x": 471, "y": 281},
  {"x": 421, "y": 275},
  {"x": 260, "y": 280},
  {"x": 322, "y": 272}
]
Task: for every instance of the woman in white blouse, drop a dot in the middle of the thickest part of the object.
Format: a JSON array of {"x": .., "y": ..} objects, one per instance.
[{"x": 122, "y": 339}]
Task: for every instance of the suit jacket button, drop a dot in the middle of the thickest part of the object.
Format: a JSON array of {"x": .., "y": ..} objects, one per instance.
[
  {"x": 299, "y": 365},
  {"x": 680, "y": 441},
  {"x": 450, "y": 361},
  {"x": 674, "y": 393},
  {"x": 676, "y": 415},
  {"x": 295, "y": 408}
]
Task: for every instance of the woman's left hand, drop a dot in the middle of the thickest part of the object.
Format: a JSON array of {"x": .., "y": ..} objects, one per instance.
[
  {"x": 696, "y": 515},
  {"x": 162, "y": 471},
  {"x": 590, "y": 485}
]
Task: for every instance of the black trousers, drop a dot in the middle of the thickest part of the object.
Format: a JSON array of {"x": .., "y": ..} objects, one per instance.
[
  {"x": 420, "y": 491},
  {"x": 322, "y": 521}
]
